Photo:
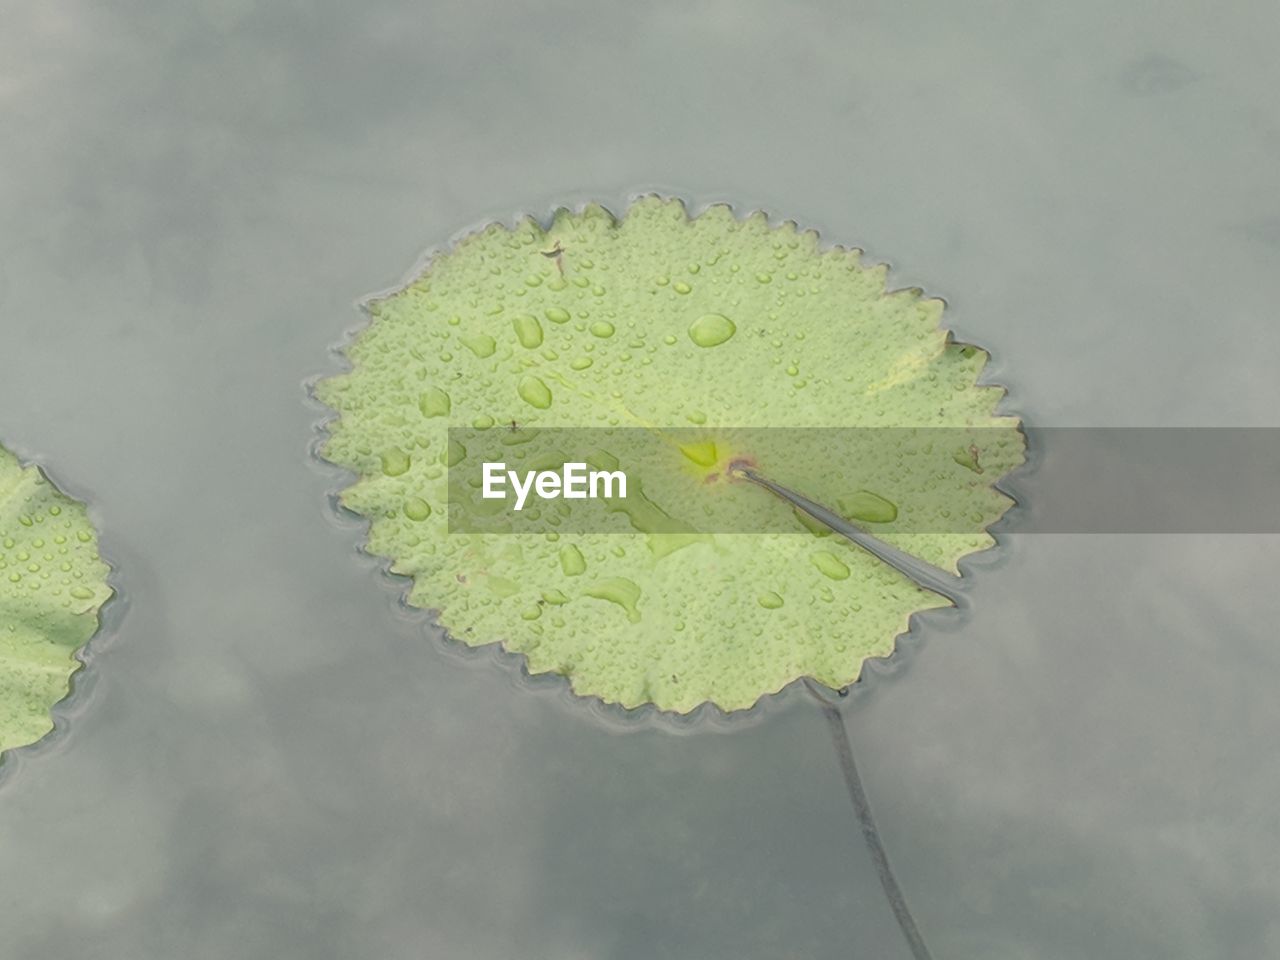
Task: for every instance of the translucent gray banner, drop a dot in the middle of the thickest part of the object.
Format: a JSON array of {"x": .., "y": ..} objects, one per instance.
[{"x": 888, "y": 480}]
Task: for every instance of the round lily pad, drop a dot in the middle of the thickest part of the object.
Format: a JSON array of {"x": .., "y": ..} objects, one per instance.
[
  {"x": 735, "y": 328},
  {"x": 52, "y": 584}
]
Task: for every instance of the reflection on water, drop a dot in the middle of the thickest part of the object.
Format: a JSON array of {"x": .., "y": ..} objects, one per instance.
[{"x": 273, "y": 757}]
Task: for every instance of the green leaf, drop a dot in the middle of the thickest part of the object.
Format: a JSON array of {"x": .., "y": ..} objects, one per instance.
[
  {"x": 52, "y": 583},
  {"x": 664, "y": 321}
]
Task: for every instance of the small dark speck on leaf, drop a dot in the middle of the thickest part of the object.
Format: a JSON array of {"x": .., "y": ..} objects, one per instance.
[{"x": 556, "y": 253}]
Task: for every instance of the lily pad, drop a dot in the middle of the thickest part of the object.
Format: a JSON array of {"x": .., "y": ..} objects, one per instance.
[
  {"x": 729, "y": 326},
  {"x": 52, "y": 583}
]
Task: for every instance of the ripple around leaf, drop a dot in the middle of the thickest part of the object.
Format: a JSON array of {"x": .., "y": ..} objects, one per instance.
[
  {"x": 661, "y": 320},
  {"x": 52, "y": 584}
]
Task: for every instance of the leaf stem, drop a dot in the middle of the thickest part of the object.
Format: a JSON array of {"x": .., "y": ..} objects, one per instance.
[
  {"x": 867, "y": 824},
  {"x": 924, "y": 574}
]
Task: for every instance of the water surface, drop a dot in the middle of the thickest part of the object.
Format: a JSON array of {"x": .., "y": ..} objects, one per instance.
[{"x": 271, "y": 758}]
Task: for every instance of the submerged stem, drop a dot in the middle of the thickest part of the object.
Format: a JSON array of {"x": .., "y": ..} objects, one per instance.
[
  {"x": 867, "y": 824},
  {"x": 924, "y": 575}
]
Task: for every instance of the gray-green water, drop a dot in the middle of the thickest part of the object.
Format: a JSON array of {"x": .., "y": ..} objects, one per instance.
[{"x": 269, "y": 758}]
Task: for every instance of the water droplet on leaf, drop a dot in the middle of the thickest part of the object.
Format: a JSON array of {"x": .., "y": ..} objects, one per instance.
[
  {"x": 829, "y": 565},
  {"x": 482, "y": 345},
  {"x": 711, "y": 330},
  {"x": 415, "y": 508},
  {"x": 528, "y": 330},
  {"x": 572, "y": 561},
  {"x": 535, "y": 392},
  {"x": 434, "y": 403},
  {"x": 395, "y": 462},
  {"x": 869, "y": 507},
  {"x": 625, "y": 593}
]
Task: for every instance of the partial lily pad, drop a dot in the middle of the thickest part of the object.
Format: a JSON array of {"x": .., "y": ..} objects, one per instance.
[
  {"x": 663, "y": 321},
  {"x": 52, "y": 583}
]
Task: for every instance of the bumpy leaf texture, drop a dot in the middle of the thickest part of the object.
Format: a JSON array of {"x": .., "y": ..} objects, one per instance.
[
  {"x": 52, "y": 583},
  {"x": 660, "y": 320}
]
